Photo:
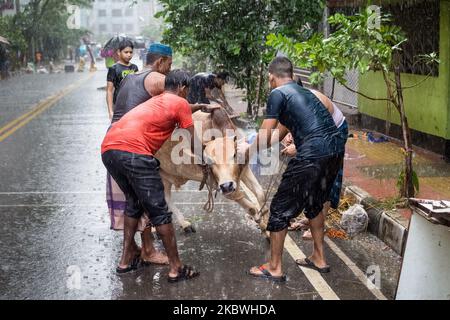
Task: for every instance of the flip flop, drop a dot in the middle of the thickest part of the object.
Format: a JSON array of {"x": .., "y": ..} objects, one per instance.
[
  {"x": 184, "y": 273},
  {"x": 306, "y": 263},
  {"x": 133, "y": 266},
  {"x": 267, "y": 275}
]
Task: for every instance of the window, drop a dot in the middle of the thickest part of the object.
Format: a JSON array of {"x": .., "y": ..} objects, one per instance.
[
  {"x": 129, "y": 12},
  {"x": 102, "y": 13},
  {"x": 102, "y": 27},
  {"x": 117, "y": 28},
  {"x": 129, "y": 27},
  {"x": 116, "y": 12}
]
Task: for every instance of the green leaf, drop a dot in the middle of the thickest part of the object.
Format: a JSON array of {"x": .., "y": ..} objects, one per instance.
[{"x": 415, "y": 180}]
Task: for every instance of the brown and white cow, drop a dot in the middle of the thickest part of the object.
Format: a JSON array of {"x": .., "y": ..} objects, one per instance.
[{"x": 223, "y": 171}]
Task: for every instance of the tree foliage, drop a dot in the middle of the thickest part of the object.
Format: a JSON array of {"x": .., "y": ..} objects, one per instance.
[
  {"x": 230, "y": 34},
  {"x": 41, "y": 26}
]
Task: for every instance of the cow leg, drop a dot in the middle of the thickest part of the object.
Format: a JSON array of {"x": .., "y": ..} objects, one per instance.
[
  {"x": 179, "y": 217},
  {"x": 252, "y": 184},
  {"x": 251, "y": 207}
]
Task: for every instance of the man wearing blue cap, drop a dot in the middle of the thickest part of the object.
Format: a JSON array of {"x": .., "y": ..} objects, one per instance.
[{"x": 141, "y": 86}]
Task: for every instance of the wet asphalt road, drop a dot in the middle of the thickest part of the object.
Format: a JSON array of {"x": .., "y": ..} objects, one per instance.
[{"x": 55, "y": 241}]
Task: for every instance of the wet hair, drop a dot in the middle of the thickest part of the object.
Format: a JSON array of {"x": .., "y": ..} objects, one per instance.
[
  {"x": 126, "y": 44},
  {"x": 176, "y": 78},
  {"x": 223, "y": 75},
  {"x": 152, "y": 57},
  {"x": 298, "y": 80},
  {"x": 281, "y": 67}
]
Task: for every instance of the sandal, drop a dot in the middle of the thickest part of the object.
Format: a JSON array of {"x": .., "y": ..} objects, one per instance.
[
  {"x": 133, "y": 266},
  {"x": 267, "y": 275},
  {"x": 184, "y": 273},
  {"x": 306, "y": 263}
]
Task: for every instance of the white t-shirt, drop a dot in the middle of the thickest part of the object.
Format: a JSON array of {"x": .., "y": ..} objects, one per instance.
[{"x": 338, "y": 116}]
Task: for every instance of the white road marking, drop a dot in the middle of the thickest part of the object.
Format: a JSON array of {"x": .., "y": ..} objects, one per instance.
[
  {"x": 314, "y": 277},
  {"x": 356, "y": 271}
]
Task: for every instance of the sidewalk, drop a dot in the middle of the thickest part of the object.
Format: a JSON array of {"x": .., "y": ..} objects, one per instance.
[{"x": 375, "y": 167}]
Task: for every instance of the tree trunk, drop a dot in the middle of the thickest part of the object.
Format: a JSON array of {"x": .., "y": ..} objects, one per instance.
[
  {"x": 260, "y": 84},
  {"x": 17, "y": 6},
  {"x": 248, "y": 88},
  {"x": 408, "y": 187}
]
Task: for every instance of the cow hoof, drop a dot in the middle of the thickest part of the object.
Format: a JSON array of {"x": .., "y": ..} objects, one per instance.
[{"x": 189, "y": 229}]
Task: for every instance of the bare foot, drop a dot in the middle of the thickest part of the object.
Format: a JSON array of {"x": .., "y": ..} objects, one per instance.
[
  {"x": 307, "y": 235},
  {"x": 157, "y": 257},
  {"x": 256, "y": 271},
  {"x": 302, "y": 224},
  {"x": 320, "y": 263}
]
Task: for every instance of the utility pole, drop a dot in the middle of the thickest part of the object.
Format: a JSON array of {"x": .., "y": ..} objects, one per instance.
[{"x": 17, "y": 6}]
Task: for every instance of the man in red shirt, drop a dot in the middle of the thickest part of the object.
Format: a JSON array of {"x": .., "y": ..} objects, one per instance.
[{"x": 128, "y": 151}]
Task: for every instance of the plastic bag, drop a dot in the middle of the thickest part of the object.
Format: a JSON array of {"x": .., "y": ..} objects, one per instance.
[{"x": 355, "y": 220}]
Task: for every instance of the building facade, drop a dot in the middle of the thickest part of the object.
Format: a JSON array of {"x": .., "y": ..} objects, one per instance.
[
  {"x": 9, "y": 7},
  {"x": 427, "y": 27},
  {"x": 112, "y": 17}
]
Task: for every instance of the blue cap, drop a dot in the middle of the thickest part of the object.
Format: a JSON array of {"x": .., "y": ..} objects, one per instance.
[{"x": 161, "y": 49}]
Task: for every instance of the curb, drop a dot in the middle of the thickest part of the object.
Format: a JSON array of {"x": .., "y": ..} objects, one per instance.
[{"x": 381, "y": 224}]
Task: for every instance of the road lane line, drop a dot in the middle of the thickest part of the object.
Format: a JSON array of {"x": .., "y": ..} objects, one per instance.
[
  {"x": 34, "y": 109},
  {"x": 356, "y": 271},
  {"x": 314, "y": 277},
  {"x": 21, "y": 121}
]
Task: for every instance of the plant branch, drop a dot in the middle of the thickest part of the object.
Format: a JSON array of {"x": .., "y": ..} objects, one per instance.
[
  {"x": 390, "y": 91},
  {"x": 418, "y": 83},
  {"x": 363, "y": 95}
]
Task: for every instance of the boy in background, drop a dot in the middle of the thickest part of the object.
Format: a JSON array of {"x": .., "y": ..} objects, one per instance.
[{"x": 118, "y": 72}]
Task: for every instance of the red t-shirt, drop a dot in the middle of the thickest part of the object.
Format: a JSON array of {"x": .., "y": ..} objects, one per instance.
[{"x": 144, "y": 129}]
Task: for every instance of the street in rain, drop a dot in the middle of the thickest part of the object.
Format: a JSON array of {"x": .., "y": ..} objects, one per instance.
[{"x": 224, "y": 150}]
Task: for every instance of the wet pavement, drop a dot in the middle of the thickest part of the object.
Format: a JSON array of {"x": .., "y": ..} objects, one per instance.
[
  {"x": 375, "y": 167},
  {"x": 55, "y": 241}
]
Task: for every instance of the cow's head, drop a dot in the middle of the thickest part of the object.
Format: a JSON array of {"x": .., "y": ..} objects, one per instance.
[{"x": 221, "y": 155}]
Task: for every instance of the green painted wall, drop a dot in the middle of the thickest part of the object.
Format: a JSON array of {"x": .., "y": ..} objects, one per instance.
[{"x": 428, "y": 105}]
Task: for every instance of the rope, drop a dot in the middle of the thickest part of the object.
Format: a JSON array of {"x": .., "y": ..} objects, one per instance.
[
  {"x": 210, "y": 182},
  {"x": 273, "y": 180}
]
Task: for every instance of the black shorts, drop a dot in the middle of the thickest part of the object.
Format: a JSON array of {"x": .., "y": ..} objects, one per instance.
[
  {"x": 306, "y": 185},
  {"x": 139, "y": 179}
]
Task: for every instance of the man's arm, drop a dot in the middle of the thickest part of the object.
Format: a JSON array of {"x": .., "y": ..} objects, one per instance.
[
  {"x": 324, "y": 99},
  {"x": 154, "y": 83},
  {"x": 208, "y": 108},
  {"x": 222, "y": 97},
  {"x": 109, "y": 98},
  {"x": 282, "y": 132},
  {"x": 265, "y": 134},
  {"x": 209, "y": 96}
]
